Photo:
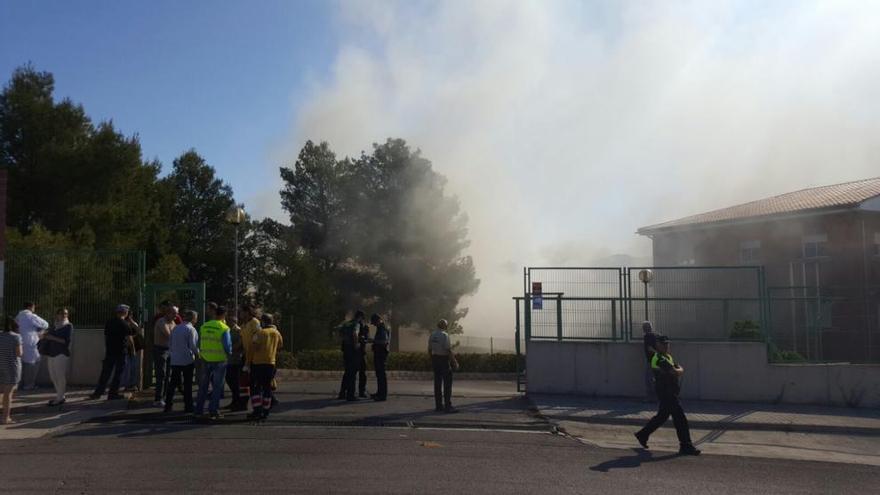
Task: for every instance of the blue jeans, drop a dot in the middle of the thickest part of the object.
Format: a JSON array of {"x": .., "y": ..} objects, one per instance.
[{"x": 212, "y": 375}]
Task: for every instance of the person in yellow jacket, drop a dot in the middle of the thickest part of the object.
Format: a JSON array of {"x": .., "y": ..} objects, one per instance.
[
  {"x": 264, "y": 346},
  {"x": 215, "y": 346}
]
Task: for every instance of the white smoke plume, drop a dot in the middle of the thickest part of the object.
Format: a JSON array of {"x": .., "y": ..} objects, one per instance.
[{"x": 565, "y": 126}]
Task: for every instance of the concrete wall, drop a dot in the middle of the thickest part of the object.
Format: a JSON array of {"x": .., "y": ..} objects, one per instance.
[
  {"x": 86, "y": 354},
  {"x": 724, "y": 371}
]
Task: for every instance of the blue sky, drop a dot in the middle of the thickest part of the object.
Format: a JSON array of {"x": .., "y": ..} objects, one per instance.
[
  {"x": 562, "y": 125},
  {"x": 221, "y": 77}
]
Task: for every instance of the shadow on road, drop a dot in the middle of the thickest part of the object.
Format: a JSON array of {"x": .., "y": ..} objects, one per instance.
[{"x": 631, "y": 461}]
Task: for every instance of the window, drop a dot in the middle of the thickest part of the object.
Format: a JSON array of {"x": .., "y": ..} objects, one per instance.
[
  {"x": 750, "y": 252},
  {"x": 815, "y": 246}
]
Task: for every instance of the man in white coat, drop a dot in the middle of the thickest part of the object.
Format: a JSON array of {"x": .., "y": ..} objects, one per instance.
[{"x": 30, "y": 326}]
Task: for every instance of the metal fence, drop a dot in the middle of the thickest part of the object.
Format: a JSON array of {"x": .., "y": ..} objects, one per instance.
[
  {"x": 824, "y": 324},
  {"x": 89, "y": 283},
  {"x": 808, "y": 323},
  {"x": 694, "y": 303}
]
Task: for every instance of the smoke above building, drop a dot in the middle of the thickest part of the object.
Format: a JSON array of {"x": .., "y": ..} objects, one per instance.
[{"x": 565, "y": 126}]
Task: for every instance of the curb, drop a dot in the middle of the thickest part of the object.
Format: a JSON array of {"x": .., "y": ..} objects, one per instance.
[
  {"x": 292, "y": 374},
  {"x": 716, "y": 425},
  {"x": 183, "y": 419}
]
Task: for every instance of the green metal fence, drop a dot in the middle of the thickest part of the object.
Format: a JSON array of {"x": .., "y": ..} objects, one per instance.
[
  {"x": 701, "y": 303},
  {"x": 89, "y": 283},
  {"x": 693, "y": 303}
]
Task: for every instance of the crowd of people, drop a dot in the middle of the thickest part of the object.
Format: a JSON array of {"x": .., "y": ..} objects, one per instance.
[
  {"x": 223, "y": 353},
  {"x": 216, "y": 354}
]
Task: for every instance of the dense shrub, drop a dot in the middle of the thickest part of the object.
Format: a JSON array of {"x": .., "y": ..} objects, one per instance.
[
  {"x": 746, "y": 330},
  {"x": 323, "y": 360},
  {"x": 285, "y": 359},
  {"x": 783, "y": 356}
]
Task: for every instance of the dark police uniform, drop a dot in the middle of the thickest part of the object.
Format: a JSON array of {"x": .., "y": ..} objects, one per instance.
[
  {"x": 347, "y": 332},
  {"x": 363, "y": 337},
  {"x": 667, "y": 388},
  {"x": 381, "y": 342}
]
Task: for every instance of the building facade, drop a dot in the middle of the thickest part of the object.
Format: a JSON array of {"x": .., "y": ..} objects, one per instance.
[{"x": 820, "y": 250}]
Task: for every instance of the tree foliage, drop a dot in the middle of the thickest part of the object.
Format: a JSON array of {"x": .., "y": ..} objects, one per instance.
[
  {"x": 196, "y": 205},
  {"x": 386, "y": 233},
  {"x": 377, "y": 232}
]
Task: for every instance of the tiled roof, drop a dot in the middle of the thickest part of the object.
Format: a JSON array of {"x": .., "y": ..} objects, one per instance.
[{"x": 846, "y": 195}]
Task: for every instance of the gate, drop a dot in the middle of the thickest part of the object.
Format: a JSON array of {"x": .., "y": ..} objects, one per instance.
[
  {"x": 605, "y": 303},
  {"x": 184, "y": 296}
]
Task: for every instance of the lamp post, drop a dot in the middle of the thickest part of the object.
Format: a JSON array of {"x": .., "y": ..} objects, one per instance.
[
  {"x": 235, "y": 215},
  {"x": 646, "y": 276}
]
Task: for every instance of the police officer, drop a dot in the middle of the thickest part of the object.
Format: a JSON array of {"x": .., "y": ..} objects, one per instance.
[
  {"x": 363, "y": 338},
  {"x": 381, "y": 342},
  {"x": 666, "y": 373},
  {"x": 348, "y": 334},
  {"x": 442, "y": 361}
]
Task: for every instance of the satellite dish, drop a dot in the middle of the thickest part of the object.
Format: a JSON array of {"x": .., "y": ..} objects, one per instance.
[{"x": 646, "y": 276}]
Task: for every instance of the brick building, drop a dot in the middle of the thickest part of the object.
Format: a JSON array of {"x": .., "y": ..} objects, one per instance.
[{"x": 820, "y": 249}]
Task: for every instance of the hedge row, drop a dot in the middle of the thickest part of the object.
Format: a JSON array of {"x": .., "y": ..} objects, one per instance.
[{"x": 324, "y": 360}]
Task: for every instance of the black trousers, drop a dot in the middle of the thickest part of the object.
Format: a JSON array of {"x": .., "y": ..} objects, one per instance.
[
  {"x": 442, "y": 379},
  {"x": 161, "y": 364},
  {"x": 349, "y": 357},
  {"x": 261, "y": 393},
  {"x": 380, "y": 359},
  {"x": 362, "y": 372},
  {"x": 233, "y": 380},
  {"x": 669, "y": 406},
  {"x": 113, "y": 363},
  {"x": 184, "y": 375}
]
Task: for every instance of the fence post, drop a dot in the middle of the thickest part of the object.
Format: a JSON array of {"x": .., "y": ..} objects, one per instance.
[
  {"x": 527, "y": 312},
  {"x": 724, "y": 318},
  {"x": 559, "y": 317},
  {"x": 613, "y": 320}
]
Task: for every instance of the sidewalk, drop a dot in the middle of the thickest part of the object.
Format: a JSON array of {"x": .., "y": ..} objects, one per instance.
[
  {"x": 34, "y": 418},
  {"x": 713, "y": 415},
  {"x": 482, "y": 404},
  {"x": 756, "y": 430}
]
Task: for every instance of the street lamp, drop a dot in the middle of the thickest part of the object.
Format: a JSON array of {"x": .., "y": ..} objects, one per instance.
[
  {"x": 646, "y": 276},
  {"x": 235, "y": 215}
]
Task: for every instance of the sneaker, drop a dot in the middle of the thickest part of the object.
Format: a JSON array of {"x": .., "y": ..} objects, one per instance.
[
  {"x": 255, "y": 416},
  {"x": 438, "y": 409},
  {"x": 450, "y": 410},
  {"x": 351, "y": 399},
  {"x": 159, "y": 403},
  {"x": 688, "y": 450},
  {"x": 115, "y": 397},
  {"x": 379, "y": 399},
  {"x": 94, "y": 396},
  {"x": 215, "y": 416},
  {"x": 643, "y": 440}
]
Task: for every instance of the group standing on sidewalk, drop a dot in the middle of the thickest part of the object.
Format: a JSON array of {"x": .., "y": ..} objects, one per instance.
[{"x": 218, "y": 353}]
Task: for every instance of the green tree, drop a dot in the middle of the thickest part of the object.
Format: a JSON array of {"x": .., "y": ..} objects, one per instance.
[
  {"x": 313, "y": 195},
  {"x": 387, "y": 235},
  {"x": 291, "y": 284},
  {"x": 417, "y": 233},
  {"x": 195, "y": 204},
  {"x": 70, "y": 176}
]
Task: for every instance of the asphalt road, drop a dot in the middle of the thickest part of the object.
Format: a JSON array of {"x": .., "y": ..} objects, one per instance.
[{"x": 243, "y": 458}]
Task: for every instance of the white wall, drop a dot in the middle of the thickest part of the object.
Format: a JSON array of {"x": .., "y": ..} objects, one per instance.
[
  {"x": 725, "y": 371},
  {"x": 86, "y": 354}
]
